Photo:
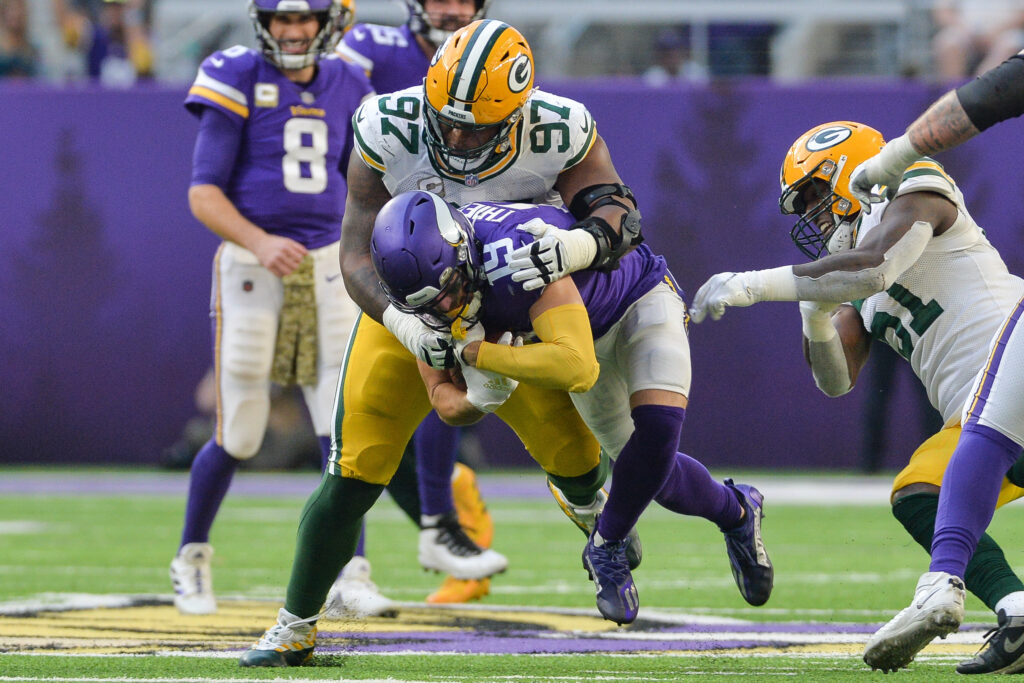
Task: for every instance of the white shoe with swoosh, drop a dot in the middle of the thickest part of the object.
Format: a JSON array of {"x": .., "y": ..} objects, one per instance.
[{"x": 937, "y": 610}]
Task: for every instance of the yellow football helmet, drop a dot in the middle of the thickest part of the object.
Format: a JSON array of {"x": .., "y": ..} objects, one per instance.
[
  {"x": 474, "y": 92},
  {"x": 815, "y": 181}
]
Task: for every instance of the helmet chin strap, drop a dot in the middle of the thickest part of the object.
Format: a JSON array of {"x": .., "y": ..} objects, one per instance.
[{"x": 844, "y": 237}]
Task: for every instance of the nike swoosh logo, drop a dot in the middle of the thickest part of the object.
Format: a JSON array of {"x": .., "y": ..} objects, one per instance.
[
  {"x": 359, "y": 115},
  {"x": 586, "y": 125},
  {"x": 217, "y": 62},
  {"x": 920, "y": 603},
  {"x": 1011, "y": 646},
  {"x": 332, "y": 278}
]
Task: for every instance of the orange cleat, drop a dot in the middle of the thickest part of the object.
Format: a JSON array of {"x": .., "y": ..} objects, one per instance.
[{"x": 460, "y": 590}]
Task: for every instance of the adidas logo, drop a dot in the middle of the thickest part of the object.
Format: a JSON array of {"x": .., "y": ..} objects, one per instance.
[{"x": 498, "y": 384}]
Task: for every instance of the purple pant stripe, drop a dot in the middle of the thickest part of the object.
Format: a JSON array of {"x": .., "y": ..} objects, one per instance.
[{"x": 992, "y": 368}]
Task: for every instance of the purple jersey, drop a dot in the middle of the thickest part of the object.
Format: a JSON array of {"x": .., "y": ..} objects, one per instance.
[
  {"x": 506, "y": 305},
  {"x": 390, "y": 55},
  {"x": 286, "y": 177}
]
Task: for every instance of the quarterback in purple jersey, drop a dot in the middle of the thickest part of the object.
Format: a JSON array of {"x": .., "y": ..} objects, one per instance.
[
  {"x": 615, "y": 339},
  {"x": 395, "y": 58},
  {"x": 274, "y": 135}
]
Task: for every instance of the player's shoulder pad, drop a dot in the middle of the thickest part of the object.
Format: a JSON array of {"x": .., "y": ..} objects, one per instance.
[
  {"x": 376, "y": 148},
  {"x": 225, "y": 80},
  {"x": 927, "y": 174},
  {"x": 543, "y": 107}
]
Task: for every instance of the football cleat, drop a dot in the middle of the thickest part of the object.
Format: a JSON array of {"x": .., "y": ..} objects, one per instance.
[
  {"x": 937, "y": 610},
  {"x": 1003, "y": 651},
  {"x": 289, "y": 642},
  {"x": 445, "y": 547},
  {"x": 354, "y": 596},
  {"x": 751, "y": 567},
  {"x": 470, "y": 507},
  {"x": 585, "y": 517},
  {"x": 192, "y": 580},
  {"x": 607, "y": 567},
  {"x": 454, "y": 590}
]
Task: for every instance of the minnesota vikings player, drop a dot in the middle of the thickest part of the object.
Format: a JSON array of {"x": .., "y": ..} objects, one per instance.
[
  {"x": 922, "y": 278},
  {"x": 395, "y": 58},
  {"x": 274, "y": 129},
  {"x": 615, "y": 339},
  {"x": 476, "y": 129}
]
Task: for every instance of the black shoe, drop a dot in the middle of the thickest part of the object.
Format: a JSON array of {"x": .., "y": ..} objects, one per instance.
[{"x": 1003, "y": 651}]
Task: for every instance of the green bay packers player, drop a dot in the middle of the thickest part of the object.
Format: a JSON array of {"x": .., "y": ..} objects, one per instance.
[
  {"x": 475, "y": 130},
  {"x": 921, "y": 277}
]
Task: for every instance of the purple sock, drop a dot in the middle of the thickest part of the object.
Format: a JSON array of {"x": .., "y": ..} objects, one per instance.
[
  {"x": 641, "y": 468},
  {"x": 361, "y": 544},
  {"x": 970, "y": 489},
  {"x": 325, "y": 451},
  {"x": 436, "y": 445},
  {"x": 208, "y": 483},
  {"x": 690, "y": 490}
]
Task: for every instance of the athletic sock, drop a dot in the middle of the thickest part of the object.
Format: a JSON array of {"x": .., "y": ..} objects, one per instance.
[
  {"x": 689, "y": 489},
  {"x": 208, "y": 483},
  {"x": 436, "y": 445},
  {"x": 970, "y": 489},
  {"x": 327, "y": 537},
  {"x": 641, "y": 468},
  {"x": 581, "y": 490},
  {"x": 988, "y": 575}
]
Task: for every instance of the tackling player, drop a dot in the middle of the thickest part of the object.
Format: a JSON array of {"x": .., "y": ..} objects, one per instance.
[
  {"x": 922, "y": 278},
  {"x": 475, "y": 129},
  {"x": 395, "y": 58},
  {"x": 274, "y": 129},
  {"x": 615, "y": 339}
]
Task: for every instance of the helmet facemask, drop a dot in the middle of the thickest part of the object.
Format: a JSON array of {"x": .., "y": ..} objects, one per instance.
[
  {"x": 479, "y": 157},
  {"x": 813, "y": 197},
  {"x": 333, "y": 19}
]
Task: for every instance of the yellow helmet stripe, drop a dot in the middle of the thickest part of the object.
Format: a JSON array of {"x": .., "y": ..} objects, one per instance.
[{"x": 474, "y": 58}]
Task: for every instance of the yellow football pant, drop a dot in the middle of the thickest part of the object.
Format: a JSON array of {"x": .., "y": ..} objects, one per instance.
[
  {"x": 382, "y": 400},
  {"x": 929, "y": 461}
]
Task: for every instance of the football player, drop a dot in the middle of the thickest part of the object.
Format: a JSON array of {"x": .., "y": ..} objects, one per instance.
[
  {"x": 395, "y": 58},
  {"x": 274, "y": 128},
  {"x": 615, "y": 339},
  {"x": 475, "y": 129},
  {"x": 922, "y": 278}
]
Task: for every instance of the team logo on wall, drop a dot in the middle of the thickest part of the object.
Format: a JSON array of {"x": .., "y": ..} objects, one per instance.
[{"x": 828, "y": 137}]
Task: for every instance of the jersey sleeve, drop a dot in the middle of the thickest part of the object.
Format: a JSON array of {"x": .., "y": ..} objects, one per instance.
[
  {"x": 224, "y": 82},
  {"x": 561, "y": 126},
  {"x": 928, "y": 175},
  {"x": 368, "y": 141},
  {"x": 357, "y": 48},
  {"x": 387, "y": 126}
]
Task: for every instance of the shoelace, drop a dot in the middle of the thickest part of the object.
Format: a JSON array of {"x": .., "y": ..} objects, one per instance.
[
  {"x": 455, "y": 538},
  {"x": 279, "y": 634},
  {"x": 610, "y": 560}
]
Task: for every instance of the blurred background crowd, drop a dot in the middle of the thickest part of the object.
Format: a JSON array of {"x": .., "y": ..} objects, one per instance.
[{"x": 120, "y": 42}]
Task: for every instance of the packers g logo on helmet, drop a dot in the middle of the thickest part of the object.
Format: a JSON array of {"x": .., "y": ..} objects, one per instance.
[
  {"x": 478, "y": 82},
  {"x": 825, "y": 155}
]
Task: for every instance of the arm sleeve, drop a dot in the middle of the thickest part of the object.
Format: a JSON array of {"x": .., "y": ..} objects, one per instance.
[
  {"x": 217, "y": 145},
  {"x": 996, "y": 95},
  {"x": 564, "y": 359}
]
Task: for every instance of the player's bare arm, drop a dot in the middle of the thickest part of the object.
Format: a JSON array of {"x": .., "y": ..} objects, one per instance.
[
  {"x": 945, "y": 124},
  {"x": 209, "y": 204},
  {"x": 901, "y": 217},
  {"x": 366, "y": 195},
  {"x": 448, "y": 395}
]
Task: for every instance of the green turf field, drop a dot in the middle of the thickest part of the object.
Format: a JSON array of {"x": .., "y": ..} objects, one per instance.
[{"x": 836, "y": 566}]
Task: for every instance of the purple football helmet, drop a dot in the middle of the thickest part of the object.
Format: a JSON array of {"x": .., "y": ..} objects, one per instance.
[
  {"x": 424, "y": 251},
  {"x": 419, "y": 21},
  {"x": 335, "y": 17}
]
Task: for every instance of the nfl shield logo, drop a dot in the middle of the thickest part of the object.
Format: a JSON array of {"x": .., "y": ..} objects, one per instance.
[{"x": 472, "y": 180}]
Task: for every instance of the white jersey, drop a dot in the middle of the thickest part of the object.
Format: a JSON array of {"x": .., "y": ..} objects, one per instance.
[
  {"x": 554, "y": 134},
  {"x": 942, "y": 312}
]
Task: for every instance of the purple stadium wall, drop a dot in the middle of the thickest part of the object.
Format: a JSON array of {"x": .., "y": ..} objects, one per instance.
[{"x": 104, "y": 274}]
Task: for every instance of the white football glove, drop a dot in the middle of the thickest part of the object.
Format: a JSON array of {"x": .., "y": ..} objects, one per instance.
[
  {"x": 434, "y": 348},
  {"x": 742, "y": 289},
  {"x": 465, "y": 337},
  {"x": 552, "y": 255},
  {"x": 487, "y": 391},
  {"x": 878, "y": 178}
]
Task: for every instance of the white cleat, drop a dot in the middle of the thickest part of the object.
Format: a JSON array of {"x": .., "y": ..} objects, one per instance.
[
  {"x": 937, "y": 610},
  {"x": 355, "y": 596},
  {"x": 445, "y": 547},
  {"x": 192, "y": 581}
]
